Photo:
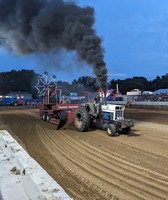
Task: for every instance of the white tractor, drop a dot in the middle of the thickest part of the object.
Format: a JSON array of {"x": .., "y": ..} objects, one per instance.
[{"x": 107, "y": 117}]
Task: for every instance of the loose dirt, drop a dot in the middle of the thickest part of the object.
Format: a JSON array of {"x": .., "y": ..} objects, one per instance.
[{"x": 94, "y": 166}]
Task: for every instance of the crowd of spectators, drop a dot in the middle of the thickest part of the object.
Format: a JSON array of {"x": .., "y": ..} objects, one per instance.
[{"x": 153, "y": 97}]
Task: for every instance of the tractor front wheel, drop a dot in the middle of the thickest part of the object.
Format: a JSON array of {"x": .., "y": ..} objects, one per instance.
[
  {"x": 82, "y": 120},
  {"x": 111, "y": 130}
]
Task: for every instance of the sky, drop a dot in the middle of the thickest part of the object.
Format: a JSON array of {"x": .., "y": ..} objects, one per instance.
[{"x": 134, "y": 37}]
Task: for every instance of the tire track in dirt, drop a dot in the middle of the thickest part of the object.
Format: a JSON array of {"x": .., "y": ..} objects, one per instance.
[
  {"x": 158, "y": 149},
  {"x": 93, "y": 166},
  {"x": 125, "y": 167},
  {"x": 149, "y": 116},
  {"x": 110, "y": 158},
  {"x": 37, "y": 150},
  {"x": 152, "y": 130},
  {"x": 129, "y": 151},
  {"x": 73, "y": 159},
  {"x": 148, "y": 139},
  {"x": 116, "y": 175},
  {"x": 99, "y": 193},
  {"x": 62, "y": 138},
  {"x": 26, "y": 114}
]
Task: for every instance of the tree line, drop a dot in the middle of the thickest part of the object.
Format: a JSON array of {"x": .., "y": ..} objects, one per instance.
[
  {"x": 141, "y": 83},
  {"x": 25, "y": 81}
]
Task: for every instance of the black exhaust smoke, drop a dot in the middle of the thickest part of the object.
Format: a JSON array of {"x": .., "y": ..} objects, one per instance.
[{"x": 28, "y": 26}]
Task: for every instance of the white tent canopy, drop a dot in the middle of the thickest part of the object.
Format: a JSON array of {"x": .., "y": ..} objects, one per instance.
[{"x": 161, "y": 91}]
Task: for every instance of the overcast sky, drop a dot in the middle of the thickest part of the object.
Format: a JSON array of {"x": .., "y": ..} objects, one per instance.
[{"x": 135, "y": 40}]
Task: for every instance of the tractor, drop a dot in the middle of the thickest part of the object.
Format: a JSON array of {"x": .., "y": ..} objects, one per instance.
[
  {"x": 107, "y": 117},
  {"x": 103, "y": 116},
  {"x": 84, "y": 115}
]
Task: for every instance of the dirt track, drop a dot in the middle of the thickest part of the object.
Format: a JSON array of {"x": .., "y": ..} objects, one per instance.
[{"x": 93, "y": 166}]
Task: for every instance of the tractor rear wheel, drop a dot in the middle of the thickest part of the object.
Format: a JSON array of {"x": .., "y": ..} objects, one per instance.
[
  {"x": 111, "y": 130},
  {"x": 82, "y": 120}
]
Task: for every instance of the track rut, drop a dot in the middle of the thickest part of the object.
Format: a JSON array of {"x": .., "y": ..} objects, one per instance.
[{"x": 93, "y": 166}]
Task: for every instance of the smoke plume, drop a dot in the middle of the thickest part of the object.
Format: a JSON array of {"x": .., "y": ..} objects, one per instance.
[{"x": 28, "y": 26}]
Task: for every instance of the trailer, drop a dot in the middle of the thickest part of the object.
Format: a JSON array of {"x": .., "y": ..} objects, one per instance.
[
  {"x": 54, "y": 109},
  {"x": 58, "y": 114}
]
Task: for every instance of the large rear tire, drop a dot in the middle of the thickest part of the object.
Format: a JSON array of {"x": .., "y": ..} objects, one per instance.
[
  {"x": 82, "y": 120},
  {"x": 111, "y": 130}
]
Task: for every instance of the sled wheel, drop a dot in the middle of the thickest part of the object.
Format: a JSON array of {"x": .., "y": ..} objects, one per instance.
[
  {"x": 44, "y": 117},
  {"x": 47, "y": 118}
]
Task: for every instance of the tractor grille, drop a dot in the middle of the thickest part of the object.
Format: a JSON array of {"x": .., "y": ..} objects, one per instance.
[{"x": 119, "y": 114}]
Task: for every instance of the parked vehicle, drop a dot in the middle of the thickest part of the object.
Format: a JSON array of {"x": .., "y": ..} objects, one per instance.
[{"x": 8, "y": 101}]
